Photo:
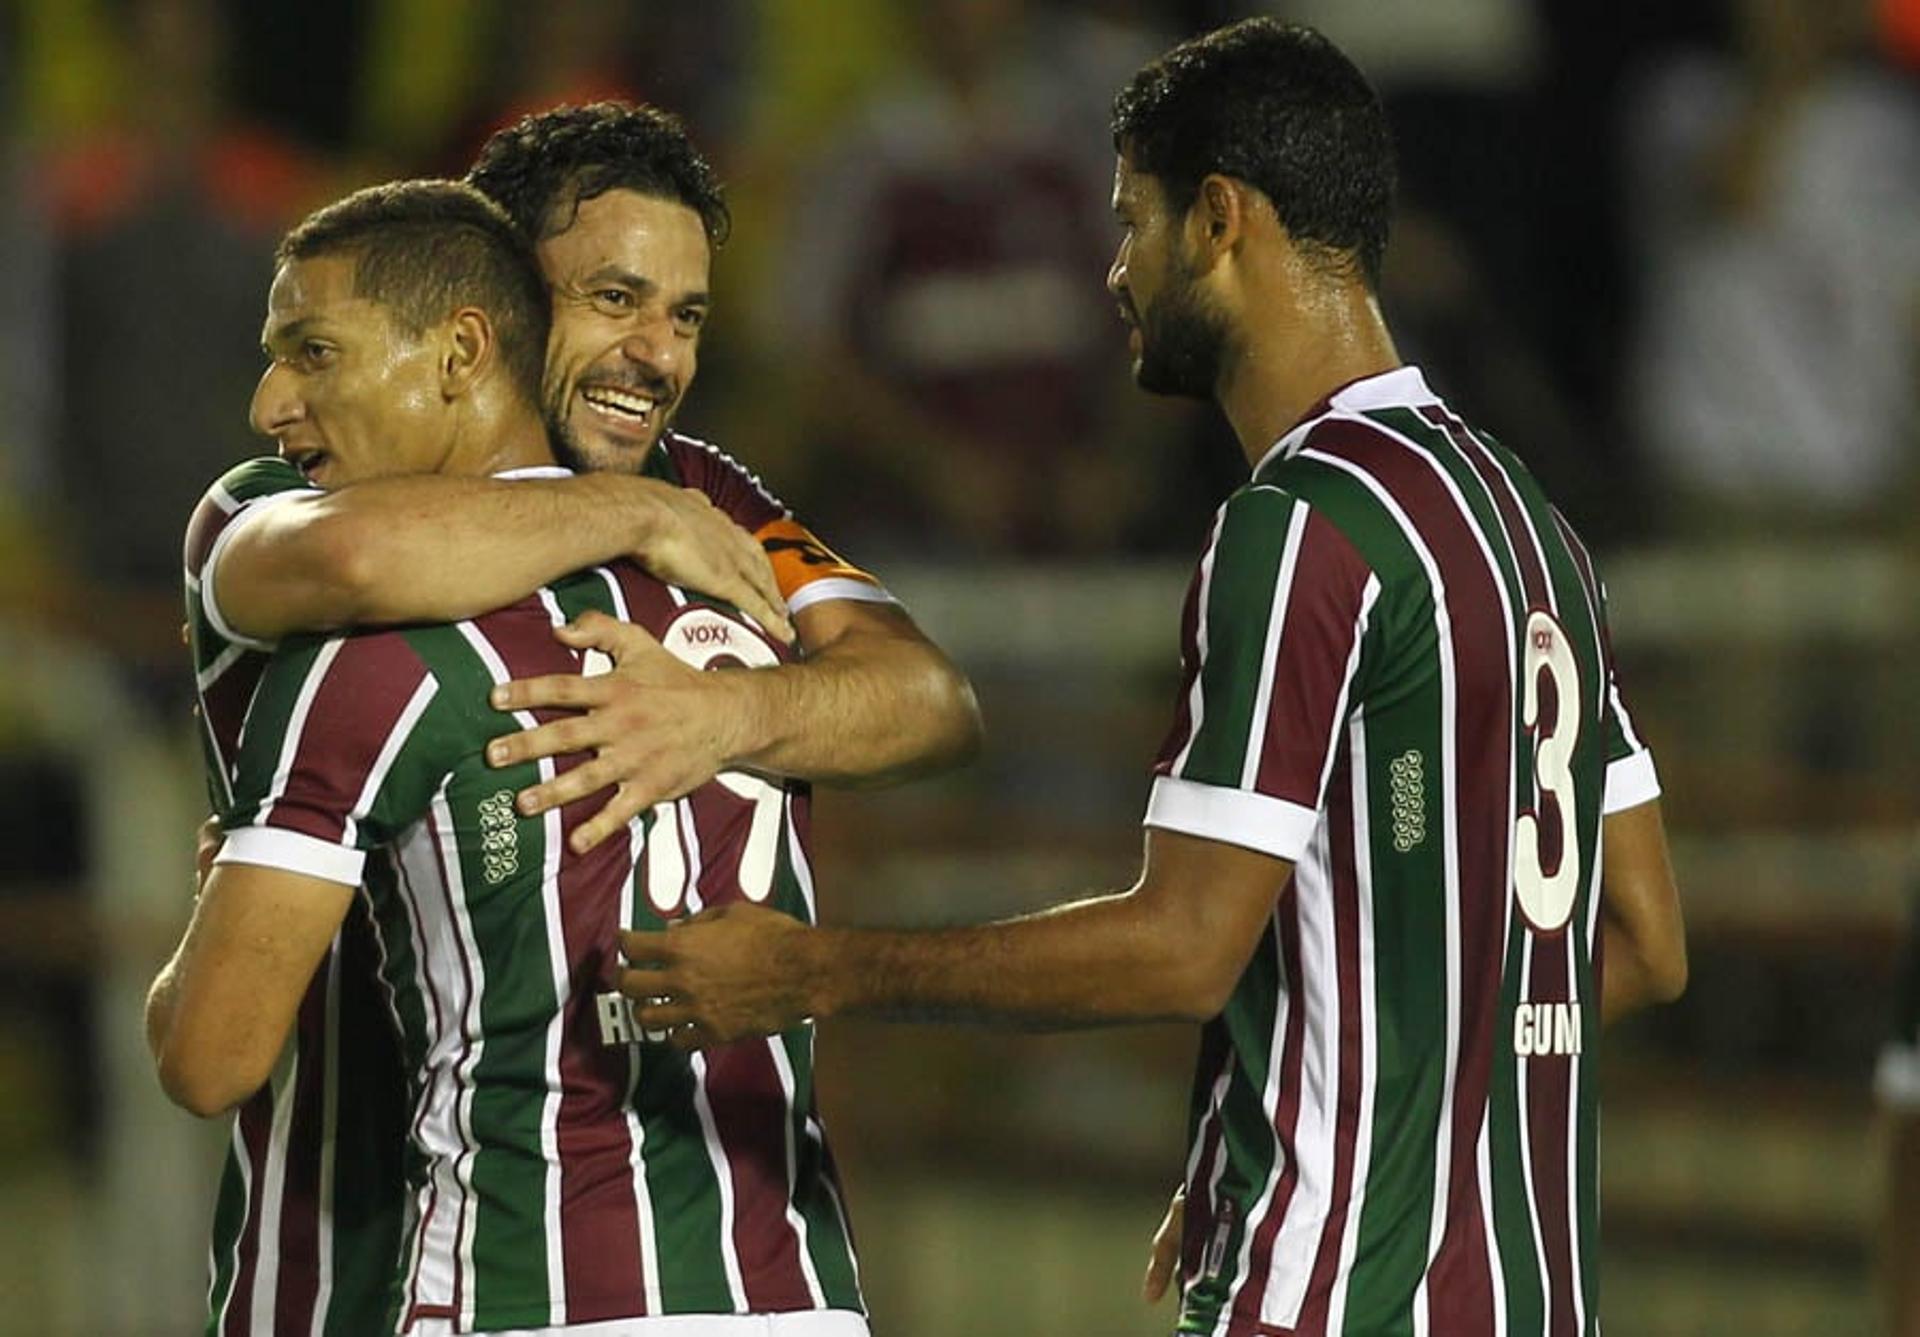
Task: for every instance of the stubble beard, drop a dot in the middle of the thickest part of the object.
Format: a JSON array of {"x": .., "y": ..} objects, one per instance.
[{"x": 1182, "y": 344}]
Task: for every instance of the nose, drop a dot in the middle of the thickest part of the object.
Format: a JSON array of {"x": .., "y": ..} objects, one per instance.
[
  {"x": 1117, "y": 271},
  {"x": 657, "y": 346},
  {"x": 276, "y": 405}
]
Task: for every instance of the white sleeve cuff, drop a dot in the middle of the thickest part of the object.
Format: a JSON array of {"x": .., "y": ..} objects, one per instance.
[
  {"x": 1631, "y": 781},
  {"x": 1896, "y": 1079},
  {"x": 1231, "y": 816},
  {"x": 838, "y": 587},
  {"x": 294, "y": 852},
  {"x": 208, "y": 583}
]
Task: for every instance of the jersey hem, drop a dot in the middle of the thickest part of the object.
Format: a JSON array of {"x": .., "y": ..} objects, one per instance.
[
  {"x": 838, "y": 587},
  {"x": 1233, "y": 816},
  {"x": 293, "y": 852},
  {"x": 1631, "y": 781},
  {"x": 209, "y": 603}
]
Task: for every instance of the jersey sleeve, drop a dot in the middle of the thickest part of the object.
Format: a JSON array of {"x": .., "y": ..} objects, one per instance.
[
  {"x": 341, "y": 754},
  {"x": 239, "y": 495},
  {"x": 1631, "y": 777},
  {"x": 807, "y": 570},
  {"x": 1271, "y": 639}
]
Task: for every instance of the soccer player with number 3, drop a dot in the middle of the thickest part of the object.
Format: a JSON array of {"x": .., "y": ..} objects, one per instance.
[{"x": 1404, "y": 854}]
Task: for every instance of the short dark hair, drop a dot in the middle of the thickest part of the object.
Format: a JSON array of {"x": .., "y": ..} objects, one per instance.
[
  {"x": 540, "y": 168},
  {"x": 1279, "y": 107},
  {"x": 424, "y": 249}
]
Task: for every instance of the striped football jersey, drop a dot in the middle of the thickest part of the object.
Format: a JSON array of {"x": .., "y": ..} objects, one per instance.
[
  {"x": 1397, "y": 676},
  {"x": 575, "y": 1170},
  {"x": 308, "y": 1219}
]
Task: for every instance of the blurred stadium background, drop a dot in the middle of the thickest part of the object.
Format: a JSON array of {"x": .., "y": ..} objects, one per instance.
[{"x": 1670, "y": 251}]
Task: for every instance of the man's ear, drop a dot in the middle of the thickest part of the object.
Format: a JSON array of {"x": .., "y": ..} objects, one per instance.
[
  {"x": 1217, "y": 219},
  {"x": 467, "y": 352}
]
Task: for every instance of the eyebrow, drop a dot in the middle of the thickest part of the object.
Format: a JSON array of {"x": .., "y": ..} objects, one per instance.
[
  {"x": 642, "y": 285},
  {"x": 291, "y": 332}
]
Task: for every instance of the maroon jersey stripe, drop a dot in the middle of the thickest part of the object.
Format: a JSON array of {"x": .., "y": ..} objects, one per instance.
[
  {"x": 371, "y": 679},
  {"x": 1460, "y": 1281},
  {"x": 1210, "y": 1076},
  {"x": 254, "y": 1126},
  {"x": 1314, "y": 1313},
  {"x": 599, "y": 1218},
  {"x": 1191, "y": 613},
  {"x": 299, "y": 1245},
  {"x": 1548, "y": 1078},
  {"x": 1252, "y": 1288},
  {"x": 1304, "y": 712},
  {"x": 742, "y": 1089}
]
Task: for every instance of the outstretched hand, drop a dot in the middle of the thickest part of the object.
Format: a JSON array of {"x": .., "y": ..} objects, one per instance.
[
  {"x": 659, "y": 728},
  {"x": 700, "y": 549},
  {"x": 724, "y": 975}
]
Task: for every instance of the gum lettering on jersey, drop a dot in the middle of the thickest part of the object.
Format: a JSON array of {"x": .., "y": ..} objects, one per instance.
[
  {"x": 1543, "y": 1029},
  {"x": 1217, "y": 1246},
  {"x": 499, "y": 838},
  {"x": 1406, "y": 776}
]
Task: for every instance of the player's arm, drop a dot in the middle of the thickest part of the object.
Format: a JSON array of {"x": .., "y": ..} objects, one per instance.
[
  {"x": 1169, "y": 949},
  {"x": 221, "y": 1009},
  {"x": 435, "y": 549},
  {"x": 1645, "y": 938}
]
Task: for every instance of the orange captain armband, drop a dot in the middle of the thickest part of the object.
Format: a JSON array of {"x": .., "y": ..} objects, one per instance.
[{"x": 799, "y": 559}]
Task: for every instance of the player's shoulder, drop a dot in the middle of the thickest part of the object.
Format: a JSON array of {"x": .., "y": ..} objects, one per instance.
[
  {"x": 701, "y": 464},
  {"x": 245, "y": 485}
]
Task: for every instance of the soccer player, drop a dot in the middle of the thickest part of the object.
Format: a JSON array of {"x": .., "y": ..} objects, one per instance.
[
  {"x": 625, "y": 212},
  {"x": 1401, "y": 814},
  {"x": 571, "y": 1176}
]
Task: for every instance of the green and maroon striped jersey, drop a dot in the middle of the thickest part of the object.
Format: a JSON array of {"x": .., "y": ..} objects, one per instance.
[
  {"x": 308, "y": 1220},
  {"x": 1397, "y": 676},
  {"x": 307, "y": 1223},
  {"x": 573, "y": 1170}
]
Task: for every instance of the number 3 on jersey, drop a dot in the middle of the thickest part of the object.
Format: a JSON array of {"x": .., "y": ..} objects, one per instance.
[
  {"x": 698, "y": 637},
  {"x": 1552, "y": 720}
]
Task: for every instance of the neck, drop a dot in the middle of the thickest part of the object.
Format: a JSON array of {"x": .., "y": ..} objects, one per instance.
[
  {"x": 486, "y": 444},
  {"x": 1282, "y": 368}
]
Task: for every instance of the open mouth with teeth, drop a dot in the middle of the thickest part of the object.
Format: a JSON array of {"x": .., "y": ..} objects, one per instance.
[{"x": 630, "y": 410}]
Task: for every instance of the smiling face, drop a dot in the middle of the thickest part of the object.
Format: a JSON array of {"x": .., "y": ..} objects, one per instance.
[
  {"x": 630, "y": 296},
  {"x": 348, "y": 394},
  {"x": 1178, "y": 338}
]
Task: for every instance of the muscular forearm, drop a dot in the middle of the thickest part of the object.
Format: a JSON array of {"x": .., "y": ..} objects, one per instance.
[
  {"x": 160, "y": 1000},
  {"x": 870, "y": 708},
  {"x": 1631, "y": 981},
  {"x": 1093, "y": 962},
  {"x": 426, "y": 548}
]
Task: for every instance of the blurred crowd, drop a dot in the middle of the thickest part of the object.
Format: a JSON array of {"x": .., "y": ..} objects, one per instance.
[{"x": 1669, "y": 252}]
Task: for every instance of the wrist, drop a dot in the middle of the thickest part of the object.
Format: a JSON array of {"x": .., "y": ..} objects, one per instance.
[{"x": 814, "y": 964}]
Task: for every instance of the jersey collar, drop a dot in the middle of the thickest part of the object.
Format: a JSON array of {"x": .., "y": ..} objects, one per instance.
[{"x": 1403, "y": 387}]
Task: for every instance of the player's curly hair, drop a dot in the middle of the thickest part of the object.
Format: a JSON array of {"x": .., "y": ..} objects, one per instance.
[
  {"x": 423, "y": 249},
  {"x": 1279, "y": 107},
  {"x": 540, "y": 168}
]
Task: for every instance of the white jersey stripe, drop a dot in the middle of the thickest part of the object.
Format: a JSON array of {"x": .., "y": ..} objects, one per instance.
[
  {"x": 636, "y": 1129},
  {"x": 1281, "y": 599},
  {"x": 389, "y": 752},
  {"x": 723, "y": 1182},
  {"x": 471, "y": 1043},
  {"x": 1296, "y": 1247},
  {"x": 777, "y": 1047},
  {"x": 1269, "y": 1101},
  {"x": 329, "y": 1136},
  {"x": 1365, "y": 1025},
  {"x": 273, "y": 1176}
]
